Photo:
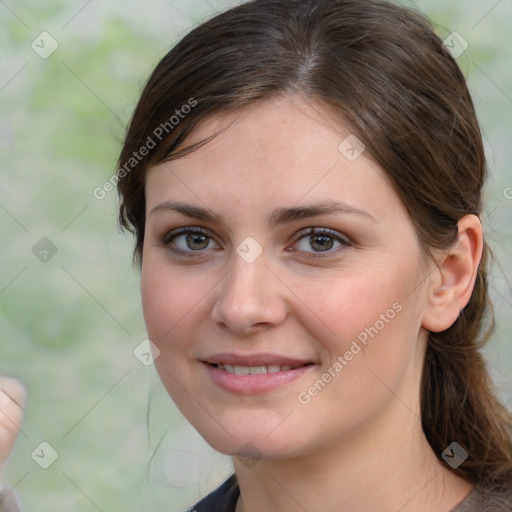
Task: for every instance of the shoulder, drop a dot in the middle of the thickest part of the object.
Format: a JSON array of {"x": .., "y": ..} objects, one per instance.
[
  {"x": 483, "y": 499},
  {"x": 222, "y": 499}
]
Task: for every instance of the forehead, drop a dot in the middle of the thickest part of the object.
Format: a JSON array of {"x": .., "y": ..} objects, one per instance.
[
  {"x": 282, "y": 150},
  {"x": 284, "y": 126}
]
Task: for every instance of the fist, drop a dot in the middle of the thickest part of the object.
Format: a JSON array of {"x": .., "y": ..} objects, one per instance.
[{"x": 12, "y": 401}]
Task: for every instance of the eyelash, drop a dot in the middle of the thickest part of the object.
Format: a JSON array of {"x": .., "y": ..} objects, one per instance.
[{"x": 344, "y": 241}]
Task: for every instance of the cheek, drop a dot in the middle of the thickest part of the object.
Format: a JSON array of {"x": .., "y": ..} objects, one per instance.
[
  {"x": 368, "y": 329},
  {"x": 169, "y": 302},
  {"x": 353, "y": 305},
  {"x": 370, "y": 318},
  {"x": 171, "y": 305},
  {"x": 379, "y": 330}
]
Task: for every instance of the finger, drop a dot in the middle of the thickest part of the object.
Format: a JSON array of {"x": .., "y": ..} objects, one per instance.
[
  {"x": 11, "y": 414},
  {"x": 12, "y": 400},
  {"x": 13, "y": 389}
]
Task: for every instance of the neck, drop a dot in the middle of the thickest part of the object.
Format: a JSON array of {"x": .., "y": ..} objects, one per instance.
[{"x": 366, "y": 471}]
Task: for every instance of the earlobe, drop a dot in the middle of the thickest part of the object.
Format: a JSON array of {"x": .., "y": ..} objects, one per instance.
[{"x": 452, "y": 284}]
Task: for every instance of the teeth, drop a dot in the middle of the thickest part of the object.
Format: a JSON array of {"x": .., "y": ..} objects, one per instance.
[
  {"x": 253, "y": 370},
  {"x": 256, "y": 370}
]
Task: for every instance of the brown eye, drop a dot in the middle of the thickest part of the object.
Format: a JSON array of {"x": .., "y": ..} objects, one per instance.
[
  {"x": 196, "y": 241},
  {"x": 188, "y": 240},
  {"x": 321, "y": 240}
]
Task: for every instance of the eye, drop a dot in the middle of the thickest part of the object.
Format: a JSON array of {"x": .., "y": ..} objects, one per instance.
[
  {"x": 187, "y": 241},
  {"x": 193, "y": 242},
  {"x": 321, "y": 240}
]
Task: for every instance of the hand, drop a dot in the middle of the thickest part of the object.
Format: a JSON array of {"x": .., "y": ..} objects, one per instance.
[{"x": 12, "y": 401}]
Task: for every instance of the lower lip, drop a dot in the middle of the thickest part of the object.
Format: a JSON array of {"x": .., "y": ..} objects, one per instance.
[{"x": 254, "y": 384}]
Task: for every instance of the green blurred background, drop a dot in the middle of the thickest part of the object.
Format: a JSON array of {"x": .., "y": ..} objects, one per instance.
[{"x": 70, "y": 321}]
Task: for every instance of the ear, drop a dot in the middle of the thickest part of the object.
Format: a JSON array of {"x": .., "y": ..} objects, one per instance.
[{"x": 452, "y": 283}]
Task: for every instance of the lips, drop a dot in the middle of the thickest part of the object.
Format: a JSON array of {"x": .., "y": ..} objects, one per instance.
[{"x": 254, "y": 373}]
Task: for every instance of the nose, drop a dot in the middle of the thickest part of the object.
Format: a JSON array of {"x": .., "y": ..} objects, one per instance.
[{"x": 250, "y": 298}]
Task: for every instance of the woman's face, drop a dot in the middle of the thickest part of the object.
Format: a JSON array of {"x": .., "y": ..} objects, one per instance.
[{"x": 274, "y": 340}]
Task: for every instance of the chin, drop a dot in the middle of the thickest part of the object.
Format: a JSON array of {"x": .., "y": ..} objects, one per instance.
[{"x": 250, "y": 442}]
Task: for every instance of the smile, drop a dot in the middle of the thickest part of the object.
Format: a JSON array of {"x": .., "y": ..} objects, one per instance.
[
  {"x": 255, "y": 370},
  {"x": 250, "y": 375}
]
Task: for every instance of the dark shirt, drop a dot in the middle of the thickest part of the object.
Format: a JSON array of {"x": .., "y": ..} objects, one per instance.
[{"x": 224, "y": 498}]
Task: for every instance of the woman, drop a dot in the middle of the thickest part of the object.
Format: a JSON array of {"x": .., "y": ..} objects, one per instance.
[{"x": 304, "y": 181}]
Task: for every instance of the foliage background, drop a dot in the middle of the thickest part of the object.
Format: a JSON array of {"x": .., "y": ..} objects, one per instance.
[{"x": 68, "y": 327}]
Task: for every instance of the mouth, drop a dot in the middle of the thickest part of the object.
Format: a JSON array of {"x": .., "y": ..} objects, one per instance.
[
  {"x": 257, "y": 370},
  {"x": 254, "y": 374}
]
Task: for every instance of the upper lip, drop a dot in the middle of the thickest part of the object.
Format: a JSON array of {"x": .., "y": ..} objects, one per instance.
[{"x": 255, "y": 360}]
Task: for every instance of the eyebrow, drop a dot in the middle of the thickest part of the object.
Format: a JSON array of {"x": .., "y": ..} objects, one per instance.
[{"x": 279, "y": 216}]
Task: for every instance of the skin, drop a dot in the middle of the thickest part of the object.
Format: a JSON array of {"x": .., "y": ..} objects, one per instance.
[
  {"x": 358, "y": 443},
  {"x": 12, "y": 400}
]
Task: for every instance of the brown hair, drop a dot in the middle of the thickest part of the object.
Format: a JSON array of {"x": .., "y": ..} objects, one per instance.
[{"x": 382, "y": 69}]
